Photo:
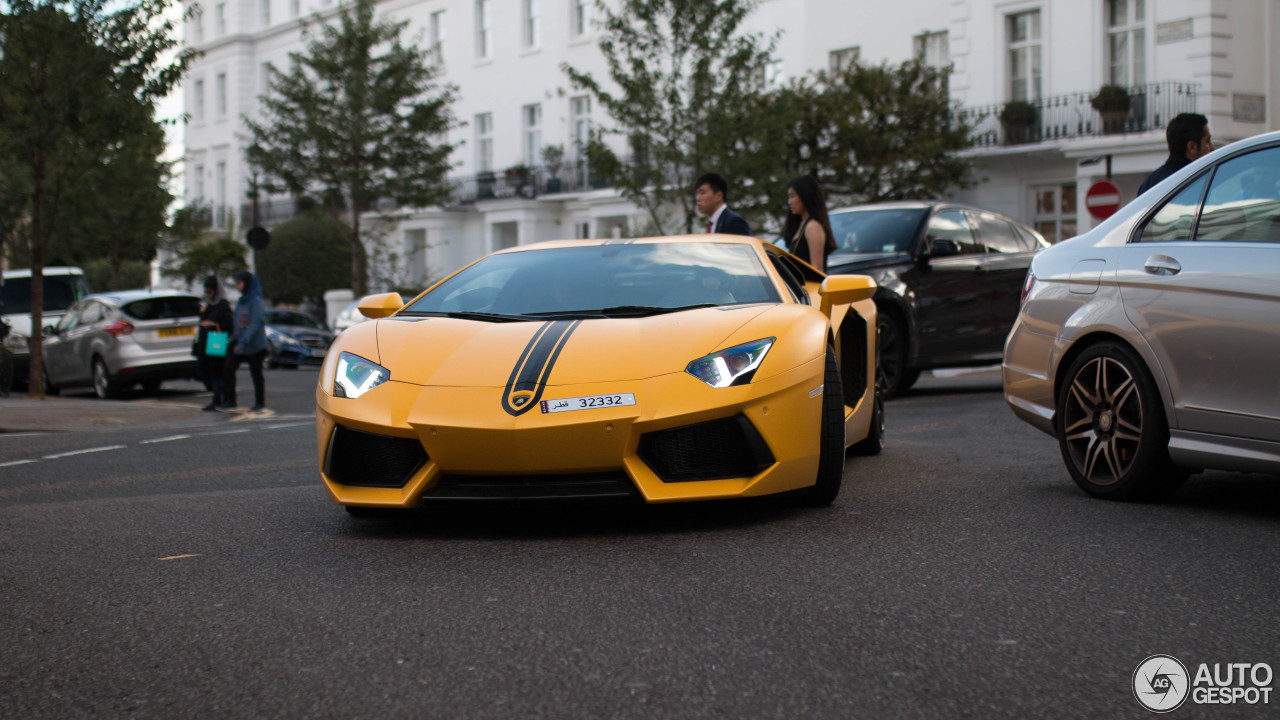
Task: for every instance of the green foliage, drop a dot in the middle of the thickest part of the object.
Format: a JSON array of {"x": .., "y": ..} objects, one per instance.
[
  {"x": 1019, "y": 113},
  {"x": 307, "y": 256},
  {"x": 103, "y": 276},
  {"x": 358, "y": 120},
  {"x": 200, "y": 252},
  {"x": 868, "y": 133},
  {"x": 1111, "y": 98},
  {"x": 676, "y": 70},
  {"x": 78, "y": 82}
]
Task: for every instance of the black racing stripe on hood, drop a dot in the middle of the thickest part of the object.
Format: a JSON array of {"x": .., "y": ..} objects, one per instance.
[{"x": 529, "y": 376}]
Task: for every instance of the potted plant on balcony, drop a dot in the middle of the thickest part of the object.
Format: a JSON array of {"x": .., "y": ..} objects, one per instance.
[
  {"x": 1112, "y": 102},
  {"x": 1018, "y": 119},
  {"x": 553, "y": 160},
  {"x": 520, "y": 177}
]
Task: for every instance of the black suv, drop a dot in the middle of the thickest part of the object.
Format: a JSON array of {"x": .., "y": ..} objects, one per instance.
[{"x": 950, "y": 278}]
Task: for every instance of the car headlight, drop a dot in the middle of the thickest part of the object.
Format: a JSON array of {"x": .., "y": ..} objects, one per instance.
[
  {"x": 357, "y": 376},
  {"x": 17, "y": 343},
  {"x": 734, "y": 366}
]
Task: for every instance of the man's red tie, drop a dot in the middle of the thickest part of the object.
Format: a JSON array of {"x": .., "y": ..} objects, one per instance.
[{"x": 708, "y": 226}]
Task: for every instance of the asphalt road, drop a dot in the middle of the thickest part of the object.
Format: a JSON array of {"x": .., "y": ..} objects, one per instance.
[{"x": 203, "y": 573}]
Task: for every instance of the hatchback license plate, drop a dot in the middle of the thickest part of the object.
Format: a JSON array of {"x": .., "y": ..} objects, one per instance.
[{"x": 175, "y": 332}]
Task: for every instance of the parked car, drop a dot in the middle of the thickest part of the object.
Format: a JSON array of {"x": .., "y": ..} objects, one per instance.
[
  {"x": 1148, "y": 345},
  {"x": 62, "y": 287},
  {"x": 295, "y": 338},
  {"x": 949, "y": 277},
  {"x": 113, "y": 341},
  {"x": 350, "y": 315}
]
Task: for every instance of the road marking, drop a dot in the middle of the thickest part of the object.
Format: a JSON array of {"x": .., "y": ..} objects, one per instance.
[
  {"x": 290, "y": 425},
  {"x": 227, "y": 432},
  {"x": 180, "y": 557},
  {"x": 84, "y": 452},
  {"x": 163, "y": 439},
  {"x": 17, "y": 462},
  {"x": 21, "y": 434}
]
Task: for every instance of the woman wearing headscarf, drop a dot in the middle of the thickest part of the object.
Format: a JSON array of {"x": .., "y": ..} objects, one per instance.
[
  {"x": 248, "y": 342},
  {"x": 808, "y": 230},
  {"x": 215, "y": 316}
]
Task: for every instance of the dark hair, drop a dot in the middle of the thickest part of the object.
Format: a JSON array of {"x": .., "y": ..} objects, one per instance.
[
  {"x": 211, "y": 283},
  {"x": 1183, "y": 129},
  {"x": 243, "y": 276},
  {"x": 716, "y": 181},
  {"x": 814, "y": 200}
]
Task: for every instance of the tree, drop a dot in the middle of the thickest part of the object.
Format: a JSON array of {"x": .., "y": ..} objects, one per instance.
[
  {"x": 868, "y": 133},
  {"x": 357, "y": 121},
  {"x": 76, "y": 79},
  {"x": 306, "y": 256},
  {"x": 680, "y": 68},
  {"x": 199, "y": 251}
]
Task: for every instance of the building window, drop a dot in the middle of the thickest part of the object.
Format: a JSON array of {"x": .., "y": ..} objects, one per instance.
[
  {"x": 532, "y": 23},
  {"x": 266, "y": 80},
  {"x": 266, "y": 12},
  {"x": 581, "y": 17},
  {"x": 436, "y": 50},
  {"x": 197, "y": 105},
  {"x": 771, "y": 75},
  {"x": 484, "y": 142},
  {"x": 1024, "y": 56},
  {"x": 840, "y": 60},
  {"x": 580, "y": 122},
  {"x": 197, "y": 25},
  {"x": 933, "y": 48},
  {"x": 295, "y": 8},
  {"x": 199, "y": 184},
  {"x": 1055, "y": 216},
  {"x": 220, "y": 95},
  {"x": 484, "y": 29},
  {"x": 1127, "y": 41},
  {"x": 220, "y": 19},
  {"x": 532, "y": 122}
]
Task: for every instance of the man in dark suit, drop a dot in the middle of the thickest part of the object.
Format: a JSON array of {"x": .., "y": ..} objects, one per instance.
[
  {"x": 708, "y": 194},
  {"x": 1188, "y": 138}
]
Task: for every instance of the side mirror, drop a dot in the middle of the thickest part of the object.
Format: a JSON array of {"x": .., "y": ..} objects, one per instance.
[
  {"x": 380, "y": 306},
  {"x": 845, "y": 290},
  {"x": 50, "y": 330}
]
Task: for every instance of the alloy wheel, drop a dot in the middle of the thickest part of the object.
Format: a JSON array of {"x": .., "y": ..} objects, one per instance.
[{"x": 1102, "y": 421}]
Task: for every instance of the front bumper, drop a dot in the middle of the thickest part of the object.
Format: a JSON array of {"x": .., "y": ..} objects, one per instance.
[{"x": 468, "y": 440}]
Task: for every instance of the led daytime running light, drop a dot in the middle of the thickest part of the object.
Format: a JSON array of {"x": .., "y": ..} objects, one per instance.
[{"x": 357, "y": 376}]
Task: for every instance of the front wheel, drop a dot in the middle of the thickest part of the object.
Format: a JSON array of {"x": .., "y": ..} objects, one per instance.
[
  {"x": 831, "y": 440},
  {"x": 1112, "y": 429}
]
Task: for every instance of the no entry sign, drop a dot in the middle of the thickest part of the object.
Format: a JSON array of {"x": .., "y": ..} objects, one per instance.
[{"x": 1103, "y": 199}]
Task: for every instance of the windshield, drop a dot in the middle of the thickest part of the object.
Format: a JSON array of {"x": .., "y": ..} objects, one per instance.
[
  {"x": 296, "y": 319},
  {"x": 635, "y": 279},
  {"x": 60, "y": 293},
  {"x": 876, "y": 231}
]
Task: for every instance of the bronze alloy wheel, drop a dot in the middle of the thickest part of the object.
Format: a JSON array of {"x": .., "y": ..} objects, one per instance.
[{"x": 1112, "y": 429}]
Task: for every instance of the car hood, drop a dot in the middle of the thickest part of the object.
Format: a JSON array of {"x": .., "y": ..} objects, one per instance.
[
  {"x": 467, "y": 353},
  {"x": 853, "y": 263},
  {"x": 20, "y": 323}
]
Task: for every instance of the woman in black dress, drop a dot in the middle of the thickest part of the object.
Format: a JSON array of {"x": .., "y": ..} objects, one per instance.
[
  {"x": 808, "y": 231},
  {"x": 215, "y": 315}
]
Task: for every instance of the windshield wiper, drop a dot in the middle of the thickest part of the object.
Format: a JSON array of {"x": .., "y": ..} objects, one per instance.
[
  {"x": 481, "y": 316},
  {"x": 622, "y": 311}
]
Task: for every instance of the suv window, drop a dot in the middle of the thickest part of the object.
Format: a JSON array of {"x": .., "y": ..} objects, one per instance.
[
  {"x": 60, "y": 293},
  {"x": 1243, "y": 204},
  {"x": 998, "y": 236},
  {"x": 1175, "y": 220},
  {"x": 951, "y": 228},
  {"x": 163, "y": 308}
]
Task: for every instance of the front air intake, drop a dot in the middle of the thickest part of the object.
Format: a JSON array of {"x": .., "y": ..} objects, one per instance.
[
  {"x": 725, "y": 448},
  {"x": 365, "y": 459}
]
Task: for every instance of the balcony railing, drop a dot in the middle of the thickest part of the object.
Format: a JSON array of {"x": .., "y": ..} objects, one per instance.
[
  {"x": 526, "y": 183},
  {"x": 1061, "y": 117}
]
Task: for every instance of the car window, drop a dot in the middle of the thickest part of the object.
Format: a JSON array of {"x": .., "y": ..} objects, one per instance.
[
  {"x": 1176, "y": 219},
  {"x": 60, "y": 293},
  {"x": 71, "y": 319},
  {"x": 950, "y": 234},
  {"x": 163, "y": 308},
  {"x": 791, "y": 277},
  {"x": 998, "y": 236},
  {"x": 92, "y": 313},
  {"x": 875, "y": 231},
  {"x": 1243, "y": 203}
]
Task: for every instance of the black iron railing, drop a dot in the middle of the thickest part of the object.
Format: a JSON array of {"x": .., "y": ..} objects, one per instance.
[{"x": 1072, "y": 116}]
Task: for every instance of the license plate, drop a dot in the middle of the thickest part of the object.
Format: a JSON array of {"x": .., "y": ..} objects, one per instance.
[
  {"x": 590, "y": 402},
  {"x": 176, "y": 331}
]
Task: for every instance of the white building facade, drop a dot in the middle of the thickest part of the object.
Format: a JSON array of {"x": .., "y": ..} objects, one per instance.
[{"x": 1215, "y": 57}]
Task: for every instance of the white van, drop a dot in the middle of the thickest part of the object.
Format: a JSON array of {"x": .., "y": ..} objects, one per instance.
[{"x": 63, "y": 286}]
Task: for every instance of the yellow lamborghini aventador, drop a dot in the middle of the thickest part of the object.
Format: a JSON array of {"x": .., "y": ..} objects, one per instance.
[{"x": 666, "y": 369}]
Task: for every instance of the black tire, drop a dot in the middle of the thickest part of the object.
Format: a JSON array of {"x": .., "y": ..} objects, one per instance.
[
  {"x": 873, "y": 443},
  {"x": 6, "y": 372},
  {"x": 1112, "y": 429},
  {"x": 892, "y": 374},
  {"x": 831, "y": 442},
  {"x": 49, "y": 387},
  {"x": 104, "y": 386}
]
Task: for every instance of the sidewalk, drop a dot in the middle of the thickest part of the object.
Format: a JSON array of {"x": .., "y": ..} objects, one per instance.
[{"x": 54, "y": 414}]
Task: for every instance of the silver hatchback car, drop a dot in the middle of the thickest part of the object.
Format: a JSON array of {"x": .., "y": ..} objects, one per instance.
[
  {"x": 1150, "y": 346},
  {"x": 113, "y": 341}
]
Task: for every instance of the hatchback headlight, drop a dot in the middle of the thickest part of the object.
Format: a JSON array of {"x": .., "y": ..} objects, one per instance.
[
  {"x": 734, "y": 366},
  {"x": 357, "y": 376}
]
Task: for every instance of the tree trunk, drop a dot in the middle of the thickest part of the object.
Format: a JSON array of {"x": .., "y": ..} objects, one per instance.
[
  {"x": 35, "y": 372},
  {"x": 358, "y": 255}
]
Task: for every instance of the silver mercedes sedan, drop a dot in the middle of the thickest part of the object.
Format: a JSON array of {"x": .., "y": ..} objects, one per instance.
[{"x": 1150, "y": 346}]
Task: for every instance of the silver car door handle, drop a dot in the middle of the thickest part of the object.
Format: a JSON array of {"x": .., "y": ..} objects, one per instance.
[{"x": 1162, "y": 265}]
